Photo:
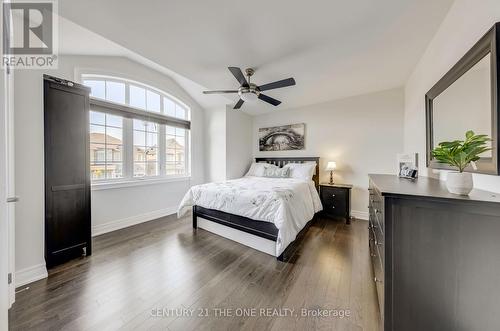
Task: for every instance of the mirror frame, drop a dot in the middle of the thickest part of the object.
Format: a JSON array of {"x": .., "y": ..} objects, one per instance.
[{"x": 486, "y": 45}]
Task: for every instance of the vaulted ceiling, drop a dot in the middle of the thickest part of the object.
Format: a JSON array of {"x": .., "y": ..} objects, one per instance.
[{"x": 333, "y": 48}]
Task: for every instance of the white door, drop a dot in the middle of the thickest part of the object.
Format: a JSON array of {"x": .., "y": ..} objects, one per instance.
[
  {"x": 4, "y": 216},
  {"x": 7, "y": 196},
  {"x": 10, "y": 187}
]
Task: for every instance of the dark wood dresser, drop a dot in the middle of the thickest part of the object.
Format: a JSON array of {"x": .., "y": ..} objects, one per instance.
[{"x": 435, "y": 256}]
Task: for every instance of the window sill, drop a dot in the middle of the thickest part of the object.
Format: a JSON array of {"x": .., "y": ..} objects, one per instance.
[{"x": 136, "y": 182}]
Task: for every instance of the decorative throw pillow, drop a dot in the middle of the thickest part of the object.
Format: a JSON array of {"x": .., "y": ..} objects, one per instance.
[
  {"x": 301, "y": 170},
  {"x": 277, "y": 172},
  {"x": 257, "y": 169}
]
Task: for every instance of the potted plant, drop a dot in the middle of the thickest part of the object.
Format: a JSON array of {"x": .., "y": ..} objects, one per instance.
[{"x": 459, "y": 154}]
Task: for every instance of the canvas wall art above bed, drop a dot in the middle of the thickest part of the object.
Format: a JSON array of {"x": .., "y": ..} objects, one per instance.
[{"x": 282, "y": 138}]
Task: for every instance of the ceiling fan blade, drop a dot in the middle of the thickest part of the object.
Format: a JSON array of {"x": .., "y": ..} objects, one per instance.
[
  {"x": 238, "y": 74},
  {"x": 220, "y": 91},
  {"x": 268, "y": 99},
  {"x": 238, "y": 104},
  {"x": 277, "y": 84}
]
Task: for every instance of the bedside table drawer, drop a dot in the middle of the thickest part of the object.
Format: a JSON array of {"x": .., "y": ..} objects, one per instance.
[{"x": 334, "y": 201}]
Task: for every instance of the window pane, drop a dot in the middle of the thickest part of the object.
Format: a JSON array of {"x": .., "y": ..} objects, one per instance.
[
  {"x": 114, "y": 170},
  {"x": 137, "y": 97},
  {"x": 139, "y": 169},
  {"x": 97, "y": 133},
  {"x": 152, "y": 127},
  {"x": 180, "y": 112},
  {"x": 153, "y": 101},
  {"x": 180, "y": 142},
  {"x": 95, "y": 155},
  {"x": 179, "y": 156},
  {"x": 114, "y": 136},
  {"x": 180, "y": 132},
  {"x": 168, "y": 107},
  {"x": 99, "y": 155},
  {"x": 140, "y": 125},
  {"x": 170, "y": 130},
  {"x": 170, "y": 142},
  {"x": 139, "y": 138},
  {"x": 151, "y": 139},
  {"x": 170, "y": 155},
  {"x": 115, "y": 92},
  {"x": 113, "y": 153},
  {"x": 97, "y": 171},
  {"x": 151, "y": 154},
  {"x": 151, "y": 169},
  {"x": 180, "y": 169},
  {"x": 139, "y": 153},
  {"x": 97, "y": 118},
  {"x": 96, "y": 88},
  {"x": 112, "y": 120}
]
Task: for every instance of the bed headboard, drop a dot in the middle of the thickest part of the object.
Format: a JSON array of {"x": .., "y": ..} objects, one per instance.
[{"x": 281, "y": 161}]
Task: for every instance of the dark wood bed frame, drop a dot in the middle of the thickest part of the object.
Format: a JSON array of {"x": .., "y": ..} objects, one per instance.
[{"x": 258, "y": 228}]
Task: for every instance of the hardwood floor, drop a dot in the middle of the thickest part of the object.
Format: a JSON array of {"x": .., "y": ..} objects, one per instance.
[{"x": 139, "y": 275}]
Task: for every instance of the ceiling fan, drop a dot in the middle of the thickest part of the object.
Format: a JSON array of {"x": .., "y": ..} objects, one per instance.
[{"x": 249, "y": 91}]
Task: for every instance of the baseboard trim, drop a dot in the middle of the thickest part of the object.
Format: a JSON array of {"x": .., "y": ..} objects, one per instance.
[
  {"x": 362, "y": 215},
  {"x": 30, "y": 274},
  {"x": 129, "y": 221}
]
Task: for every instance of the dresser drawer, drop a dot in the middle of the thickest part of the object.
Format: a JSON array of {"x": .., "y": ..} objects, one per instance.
[
  {"x": 376, "y": 209},
  {"x": 379, "y": 282},
  {"x": 379, "y": 244}
]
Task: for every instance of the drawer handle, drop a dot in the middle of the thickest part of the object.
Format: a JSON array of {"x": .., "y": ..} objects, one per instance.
[
  {"x": 377, "y": 280},
  {"x": 333, "y": 195}
]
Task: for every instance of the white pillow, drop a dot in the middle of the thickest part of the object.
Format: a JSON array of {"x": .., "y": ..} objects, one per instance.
[
  {"x": 302, "y": 170},
  {"x": 277, "y": 172},
  {"x": 258, "y": 169}
]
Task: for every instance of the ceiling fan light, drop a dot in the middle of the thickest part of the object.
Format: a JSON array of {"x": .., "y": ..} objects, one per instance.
[{"x": 248, "y": 96}]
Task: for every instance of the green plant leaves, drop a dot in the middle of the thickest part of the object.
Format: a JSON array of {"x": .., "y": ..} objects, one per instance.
[{"x": 459, "y": 153}]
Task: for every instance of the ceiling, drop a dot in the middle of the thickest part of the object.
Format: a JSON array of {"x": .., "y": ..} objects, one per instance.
[{"x": 333, "y": 48}]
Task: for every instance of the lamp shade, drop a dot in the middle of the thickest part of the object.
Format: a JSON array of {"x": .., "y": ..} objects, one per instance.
[{"x": 331, "y": 166}]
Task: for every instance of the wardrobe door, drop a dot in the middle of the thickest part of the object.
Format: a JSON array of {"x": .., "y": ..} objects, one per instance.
[{"x": 67, "y": 170}]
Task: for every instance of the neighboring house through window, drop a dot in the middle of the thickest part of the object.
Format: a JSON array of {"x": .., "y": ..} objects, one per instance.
[{"x": 135, "y": 145}]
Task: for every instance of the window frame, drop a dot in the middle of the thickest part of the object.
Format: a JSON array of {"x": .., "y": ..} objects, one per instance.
[{"x": 128, "y": 178}]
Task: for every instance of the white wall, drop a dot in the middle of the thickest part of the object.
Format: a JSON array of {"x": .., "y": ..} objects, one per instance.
[
  {"x": 215, "y": 144},
  {"x": 228, "y": 143},
  {"x": 111, "y": 208},
  {"x": 362, "y": 134},
  {"x": 466, "y": 22},
  {"x": 238, "y": 143}
]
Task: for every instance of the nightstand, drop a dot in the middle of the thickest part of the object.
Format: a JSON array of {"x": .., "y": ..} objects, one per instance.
[{"x": 336, "y": 200}]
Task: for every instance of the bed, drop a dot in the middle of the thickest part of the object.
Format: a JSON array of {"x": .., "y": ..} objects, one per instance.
[{"x": 267, "y": 214}]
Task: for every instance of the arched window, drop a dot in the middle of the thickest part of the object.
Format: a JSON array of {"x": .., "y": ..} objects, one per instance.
[{"x": 136, "y": 131}]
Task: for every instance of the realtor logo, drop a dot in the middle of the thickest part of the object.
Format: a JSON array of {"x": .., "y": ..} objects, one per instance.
[{"x": 29, "y": 34}]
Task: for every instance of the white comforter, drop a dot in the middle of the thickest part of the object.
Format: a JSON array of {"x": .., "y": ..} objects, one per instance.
[{"x": 289, "y": 203}]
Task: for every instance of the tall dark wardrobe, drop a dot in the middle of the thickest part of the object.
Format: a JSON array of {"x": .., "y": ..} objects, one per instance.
[{"x": 67, "y": 170}]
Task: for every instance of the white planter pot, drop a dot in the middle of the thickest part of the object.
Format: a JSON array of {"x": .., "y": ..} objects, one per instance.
[{"x": 459, "y": 182}]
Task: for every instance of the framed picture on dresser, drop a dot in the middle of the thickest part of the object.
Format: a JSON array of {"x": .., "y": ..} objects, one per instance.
[{"x": 408, "y": 165}]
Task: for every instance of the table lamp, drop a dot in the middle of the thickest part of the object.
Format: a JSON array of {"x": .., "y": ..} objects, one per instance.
[{"x": 330, "y": 167}]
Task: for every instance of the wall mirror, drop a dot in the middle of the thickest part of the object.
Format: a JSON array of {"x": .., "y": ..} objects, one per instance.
[{"x": 466, "y": 98}]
